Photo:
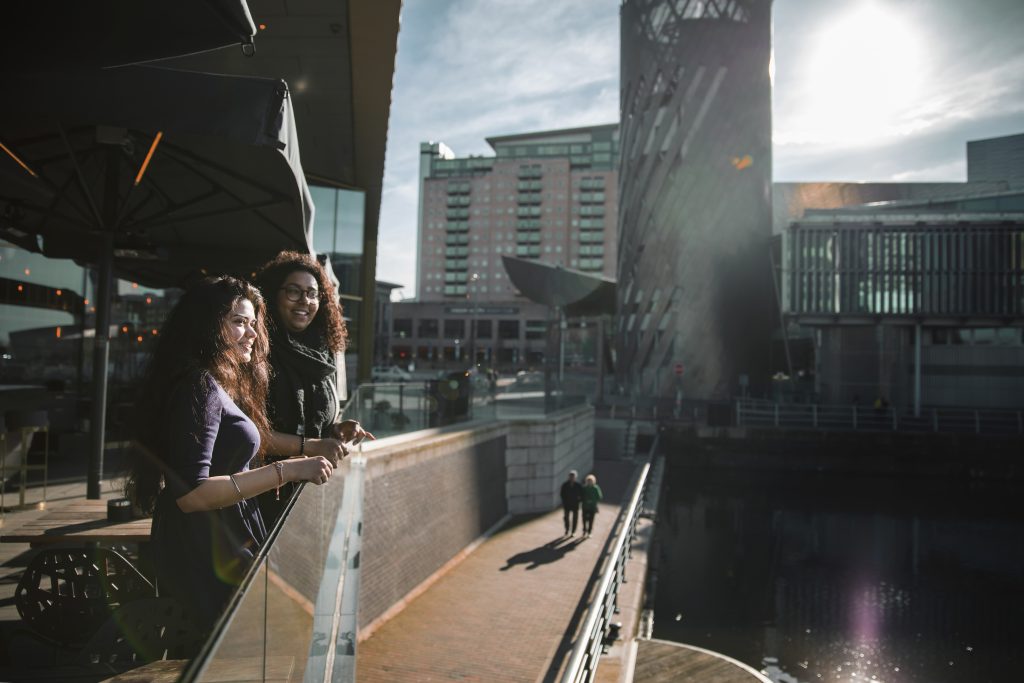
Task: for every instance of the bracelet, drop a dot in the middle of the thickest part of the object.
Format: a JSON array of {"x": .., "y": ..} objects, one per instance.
[
  {"x": 279, "y": 467},
  {"x": 240, "y": 496},
  {"x": 302, "y": 445}
]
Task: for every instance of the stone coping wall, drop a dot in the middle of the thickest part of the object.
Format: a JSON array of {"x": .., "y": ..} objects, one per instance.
[{"x": 542, "y": 451}]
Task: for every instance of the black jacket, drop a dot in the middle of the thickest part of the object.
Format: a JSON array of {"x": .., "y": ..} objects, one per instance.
[{"x": 572, "y": 494}]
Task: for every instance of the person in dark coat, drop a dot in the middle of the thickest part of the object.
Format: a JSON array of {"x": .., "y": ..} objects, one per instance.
[
  {"x": 201, "y": 427},
  {"x": 571, "y": 494},
  {"x": 307, "y": 379}
]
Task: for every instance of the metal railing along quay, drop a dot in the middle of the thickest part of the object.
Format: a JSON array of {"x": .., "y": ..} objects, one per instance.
[
  {"x": 751, "y": 413},
  {"x": 586, "y": 652}
]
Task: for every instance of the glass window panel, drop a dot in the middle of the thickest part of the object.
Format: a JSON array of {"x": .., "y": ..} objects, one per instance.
[{"x": 338, "y": 220}]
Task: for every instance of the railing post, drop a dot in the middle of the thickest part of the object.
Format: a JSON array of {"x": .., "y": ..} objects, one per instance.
[
  {"x": 1020, "y": 423},
  {"x": 814, "y": 415},
  {"x": 613, "y": 412},
  {"x": 977, "y": 422},
  {"x": 739, "y": 413},
  {"x": 855, "y": 417},
  {"x": 895, "y": 422},
  {"x": 935, "y": 420},
  {"x": 776, "y": 414}
]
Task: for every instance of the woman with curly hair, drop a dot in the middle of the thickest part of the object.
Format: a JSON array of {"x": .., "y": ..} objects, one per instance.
[
  {"x": 202, "y": 428},
  {"x": 307, "y": 385}
]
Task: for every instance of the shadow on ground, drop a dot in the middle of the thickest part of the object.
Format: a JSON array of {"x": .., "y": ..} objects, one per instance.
[{"x": 552, "y": 551}]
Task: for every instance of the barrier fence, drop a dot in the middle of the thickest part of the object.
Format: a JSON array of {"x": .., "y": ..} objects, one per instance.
[
  {"x": 860, "y": 418},
  {"x": 586, "y": 652}
]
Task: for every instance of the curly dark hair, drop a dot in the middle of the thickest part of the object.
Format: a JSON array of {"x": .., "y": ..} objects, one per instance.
[
  {"x": 193, "y": 342},
  {"x": 328, "y": 323}
]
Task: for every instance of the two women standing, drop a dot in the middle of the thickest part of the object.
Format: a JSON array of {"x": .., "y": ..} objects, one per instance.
[{"x": 226, "y": 408}]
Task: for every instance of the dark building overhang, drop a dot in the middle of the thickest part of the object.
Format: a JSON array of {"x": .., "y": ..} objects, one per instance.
[{"x": 578, "y": 293}]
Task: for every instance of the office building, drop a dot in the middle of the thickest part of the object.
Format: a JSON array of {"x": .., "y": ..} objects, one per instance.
[
  {"x": 550, "y": 196},
  {"x": 912, "y": 293}
]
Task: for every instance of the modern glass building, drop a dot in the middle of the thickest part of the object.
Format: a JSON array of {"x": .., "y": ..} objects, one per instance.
[
  {"x": 917, "y": 302},
  {"x": 696, "y": 303}
]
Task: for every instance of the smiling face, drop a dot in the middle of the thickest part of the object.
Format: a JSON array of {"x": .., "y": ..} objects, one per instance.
[
  {"x": 297, "y": 301},
  {"x": 240, "y": 328}
]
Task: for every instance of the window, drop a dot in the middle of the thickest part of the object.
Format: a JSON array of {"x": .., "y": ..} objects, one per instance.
[
  {"x": 402, "y": 327},
  {"x": 454, "y": 329},
  {"x": 536, "y": 329},
  {"x": 508, "y": 329},
  {"x": 483, "y": 329},
  {"x": 427, "y": 328}
]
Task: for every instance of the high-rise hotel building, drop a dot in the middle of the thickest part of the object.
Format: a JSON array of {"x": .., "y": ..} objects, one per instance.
[{"x": 550, "y": 196}]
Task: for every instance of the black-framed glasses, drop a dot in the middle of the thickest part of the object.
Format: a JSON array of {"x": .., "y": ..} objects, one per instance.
[{"x": 295, "y": 293}]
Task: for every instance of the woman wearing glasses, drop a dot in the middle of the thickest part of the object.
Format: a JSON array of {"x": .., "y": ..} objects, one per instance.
[
  {"x": 307, "y": 387},
  {"x": 201, "y": 429}
]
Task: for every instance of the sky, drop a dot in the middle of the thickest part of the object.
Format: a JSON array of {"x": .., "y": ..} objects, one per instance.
[{"x": 863, "y": 90}]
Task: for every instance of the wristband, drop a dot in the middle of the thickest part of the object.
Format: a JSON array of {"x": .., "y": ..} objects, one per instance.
[
  {"x": 302, "y": 445},
  {"x": 279, "y": 468}
]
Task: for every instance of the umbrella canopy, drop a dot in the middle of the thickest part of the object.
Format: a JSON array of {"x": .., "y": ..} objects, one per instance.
[
  {"x": 156, "y": 174},
  {"x": 45, "y": 35},
  {"x": 183, "y": 172}
]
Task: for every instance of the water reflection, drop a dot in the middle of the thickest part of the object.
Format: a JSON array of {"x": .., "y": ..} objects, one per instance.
[{"x": 817, "y": 578}]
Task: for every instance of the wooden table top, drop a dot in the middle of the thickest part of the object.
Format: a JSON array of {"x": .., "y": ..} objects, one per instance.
[{"x": 81, "y": 521}]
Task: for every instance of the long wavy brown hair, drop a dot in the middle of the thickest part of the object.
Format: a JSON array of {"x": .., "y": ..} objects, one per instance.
[
  {"x": 328, "y": 323},
  {"x": 193, "y": 341}
]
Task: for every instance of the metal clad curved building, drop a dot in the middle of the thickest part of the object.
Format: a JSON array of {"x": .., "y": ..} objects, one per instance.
[{"x": 695, "y": 286}]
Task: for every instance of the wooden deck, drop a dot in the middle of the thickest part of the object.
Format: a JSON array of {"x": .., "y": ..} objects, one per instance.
[
  {"x": 79, "y": 521},
  {"x": 659, "y": 661}
]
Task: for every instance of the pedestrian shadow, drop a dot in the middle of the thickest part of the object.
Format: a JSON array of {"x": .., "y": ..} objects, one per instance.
[{"x": 552, "y": 551}]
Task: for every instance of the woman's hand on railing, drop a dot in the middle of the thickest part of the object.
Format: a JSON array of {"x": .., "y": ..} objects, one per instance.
[
  {"x": 314, "y": 469},
  {"x": 333, "y": 450}
]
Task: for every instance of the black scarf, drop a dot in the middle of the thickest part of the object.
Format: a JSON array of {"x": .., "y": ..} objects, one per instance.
[{"x": 302, "y": 383}]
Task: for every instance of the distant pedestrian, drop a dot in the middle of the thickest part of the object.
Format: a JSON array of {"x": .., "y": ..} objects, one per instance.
[
  {"x": 571, "y": 494},
  {"x": 591, "y": 497}
]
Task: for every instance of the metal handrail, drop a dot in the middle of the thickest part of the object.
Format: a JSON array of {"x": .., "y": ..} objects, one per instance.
[
  {"x": 861, "y": 418},
  {"x": 586, "y": 652}
]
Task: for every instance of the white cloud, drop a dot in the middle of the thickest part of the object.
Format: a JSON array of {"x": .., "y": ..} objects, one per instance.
[
  {"x": 487, "y": 69},
  {"x": 941, "y": 172}
]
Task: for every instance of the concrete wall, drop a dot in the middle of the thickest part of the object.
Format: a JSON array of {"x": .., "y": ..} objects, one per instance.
[
  {"x": 431, "y": 495},
  {"x": 428, "y": 496},
  {"x": 540, "y": 454}
]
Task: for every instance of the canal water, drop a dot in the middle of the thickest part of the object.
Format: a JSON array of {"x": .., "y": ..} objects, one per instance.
[{"x": 832, "y": 578}]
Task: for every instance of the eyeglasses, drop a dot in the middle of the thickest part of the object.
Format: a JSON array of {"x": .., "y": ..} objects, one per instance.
[{"x": 293, "y": 293}]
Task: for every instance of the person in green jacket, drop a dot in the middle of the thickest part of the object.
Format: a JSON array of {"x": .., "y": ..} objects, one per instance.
[{"x": 591, "y": 497}]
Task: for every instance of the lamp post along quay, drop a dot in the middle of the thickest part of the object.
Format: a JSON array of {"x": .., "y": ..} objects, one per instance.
[{"x": 473, "y": 306}]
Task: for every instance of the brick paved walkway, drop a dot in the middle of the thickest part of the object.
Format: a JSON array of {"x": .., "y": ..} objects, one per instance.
[{"x": 502, "y": 613}]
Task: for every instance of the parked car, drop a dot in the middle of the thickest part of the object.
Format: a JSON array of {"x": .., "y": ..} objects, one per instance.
[{"x": 390, "y": 374}]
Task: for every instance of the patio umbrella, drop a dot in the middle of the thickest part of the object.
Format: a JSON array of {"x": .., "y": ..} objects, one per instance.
[
  {"x": 45, "y": 35},
  {"x": 155, "y": 174}
]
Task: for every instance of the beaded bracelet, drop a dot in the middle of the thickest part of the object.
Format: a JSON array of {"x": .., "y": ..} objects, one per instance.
[
  {"x": 279, "y": 467},
  {"x": 302, "y": 445}
]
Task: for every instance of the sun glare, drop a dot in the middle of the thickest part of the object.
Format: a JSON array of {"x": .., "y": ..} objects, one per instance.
[{"x": 864, "y": 73}]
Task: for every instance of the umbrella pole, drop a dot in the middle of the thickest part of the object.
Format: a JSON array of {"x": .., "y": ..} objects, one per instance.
[
  {"x": 101, "y": 347},
  {"x": 100, "y": 363}
]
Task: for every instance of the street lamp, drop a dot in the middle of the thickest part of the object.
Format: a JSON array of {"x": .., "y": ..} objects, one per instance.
[{"x": 473, "y": 279}]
